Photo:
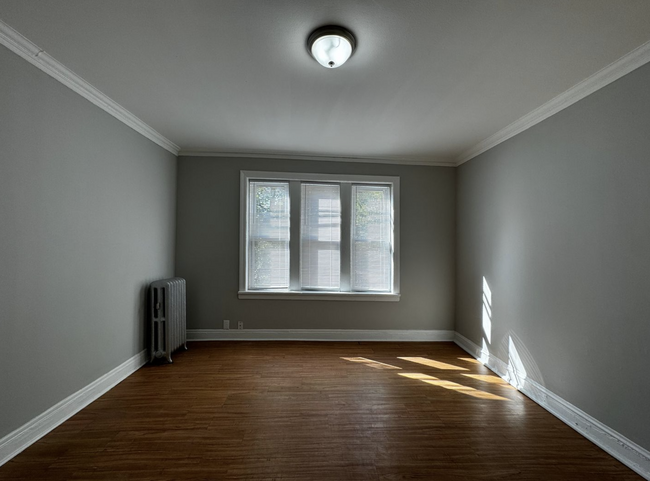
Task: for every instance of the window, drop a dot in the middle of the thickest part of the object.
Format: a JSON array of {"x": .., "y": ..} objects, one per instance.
[
  {"x": 268, "y": 235},
  {"x": 319, "y": 236},
  {"x": 372, "y": 238}
]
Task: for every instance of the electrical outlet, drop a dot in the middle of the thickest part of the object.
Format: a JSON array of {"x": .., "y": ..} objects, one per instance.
[
  {"x": 240, "y": 325},
  {"x": 226, "y": 324}
]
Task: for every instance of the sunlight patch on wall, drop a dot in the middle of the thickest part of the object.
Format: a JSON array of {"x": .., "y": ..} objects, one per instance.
[
  {"x": 487, "y": 311},
  {"x": 485, "y": 353},
  {"x": 516, "y": 374},
  {"x": 520, "y": 362}
]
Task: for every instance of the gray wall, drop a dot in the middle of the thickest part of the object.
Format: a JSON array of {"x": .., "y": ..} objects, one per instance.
[
  {"x": 207, "y": 250},
  {"x": 87, "y": 211},
  {"x": 557, "y": 219}
]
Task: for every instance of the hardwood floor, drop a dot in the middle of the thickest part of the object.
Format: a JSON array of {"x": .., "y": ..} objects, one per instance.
[{"x": 309, "y": 410}]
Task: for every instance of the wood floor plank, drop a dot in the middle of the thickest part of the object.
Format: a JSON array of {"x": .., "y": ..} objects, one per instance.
[{"x": 310, "y": 410}]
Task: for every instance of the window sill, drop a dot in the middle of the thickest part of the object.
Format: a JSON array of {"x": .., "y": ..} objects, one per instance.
[{"x": 320, "y": 296}]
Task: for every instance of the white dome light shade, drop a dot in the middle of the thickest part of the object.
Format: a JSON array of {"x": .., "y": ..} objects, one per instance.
[
  {"x": 331, "y": 51},
  {"x": 331, "y": 46}
]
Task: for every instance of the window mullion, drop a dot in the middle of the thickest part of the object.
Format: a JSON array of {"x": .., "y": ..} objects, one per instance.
[
  {"x": 294, "y": 236},
  {"x": 346, "y": 219}
]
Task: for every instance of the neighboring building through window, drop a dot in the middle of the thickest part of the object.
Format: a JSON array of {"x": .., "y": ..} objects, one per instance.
[{"x": 320, "y": 236}]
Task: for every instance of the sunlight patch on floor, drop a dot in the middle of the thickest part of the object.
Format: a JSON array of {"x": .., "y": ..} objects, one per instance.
[
  {"x": 416, "y": 375},
  {"x": 453, "y": 386},
  {"x": 371, "y": 363},
  {"x": 465, "y": 390},
  {"x": 490, "y": 379},
  {"x": 431, "y": 363},
  {"x": 469, "y": 359}
]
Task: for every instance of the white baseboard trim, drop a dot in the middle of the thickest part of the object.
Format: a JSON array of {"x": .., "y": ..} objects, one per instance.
[
  {"x": 20, "y": 439},
  {"x": 614, "y": 443},
  {"x": 318, "y": 335},
  {"x": 628, "y": 452}
]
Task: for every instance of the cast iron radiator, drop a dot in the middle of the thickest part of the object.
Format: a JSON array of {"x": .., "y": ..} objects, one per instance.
[{"x": 167, "y": 317}]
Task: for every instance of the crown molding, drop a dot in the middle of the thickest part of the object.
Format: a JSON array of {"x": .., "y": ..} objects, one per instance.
[
  {"x": 624, "y": 65},
  {"x": 31, "y": 52},
  {"x": 319, "y": 158}
]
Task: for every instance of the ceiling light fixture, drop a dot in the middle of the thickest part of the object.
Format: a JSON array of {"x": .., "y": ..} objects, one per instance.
[{"x": 331, "y": 46}]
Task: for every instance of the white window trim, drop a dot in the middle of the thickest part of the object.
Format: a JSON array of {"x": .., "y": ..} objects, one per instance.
[{"x": 244, "y": 293}]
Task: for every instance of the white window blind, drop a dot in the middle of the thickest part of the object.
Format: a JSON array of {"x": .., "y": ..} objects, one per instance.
[
  {"x": 320, "y": 237},
  {"x": 371, "y": 244},
  {"x": 268, "y": 235}
]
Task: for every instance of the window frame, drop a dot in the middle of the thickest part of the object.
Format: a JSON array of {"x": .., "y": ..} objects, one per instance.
[{"x": 294, "y": 292}]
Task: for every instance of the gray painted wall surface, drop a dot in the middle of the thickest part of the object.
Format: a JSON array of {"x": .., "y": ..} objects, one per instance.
[
  {"x": 207, "y": 250},
  {"x": 87, "y": 211},
  {"x": 557, "y": 219}
]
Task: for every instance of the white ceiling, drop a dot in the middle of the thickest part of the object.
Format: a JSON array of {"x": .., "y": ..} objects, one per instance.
[{"x": 429, "y": 79}]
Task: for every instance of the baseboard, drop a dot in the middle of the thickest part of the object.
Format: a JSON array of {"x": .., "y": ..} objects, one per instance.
[
  {"x": 24, "y": 436},
  {"x": 318, "y": 335},
  {"x": 614, "y": 443},
  {"x": 628, "y": 452}
]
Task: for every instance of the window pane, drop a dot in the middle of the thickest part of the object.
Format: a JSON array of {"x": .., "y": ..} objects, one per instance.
[
  {"x": 372, "y": 232},
  {"x": 320, "y": 237},
  {"x": 268, "y": 235}
]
